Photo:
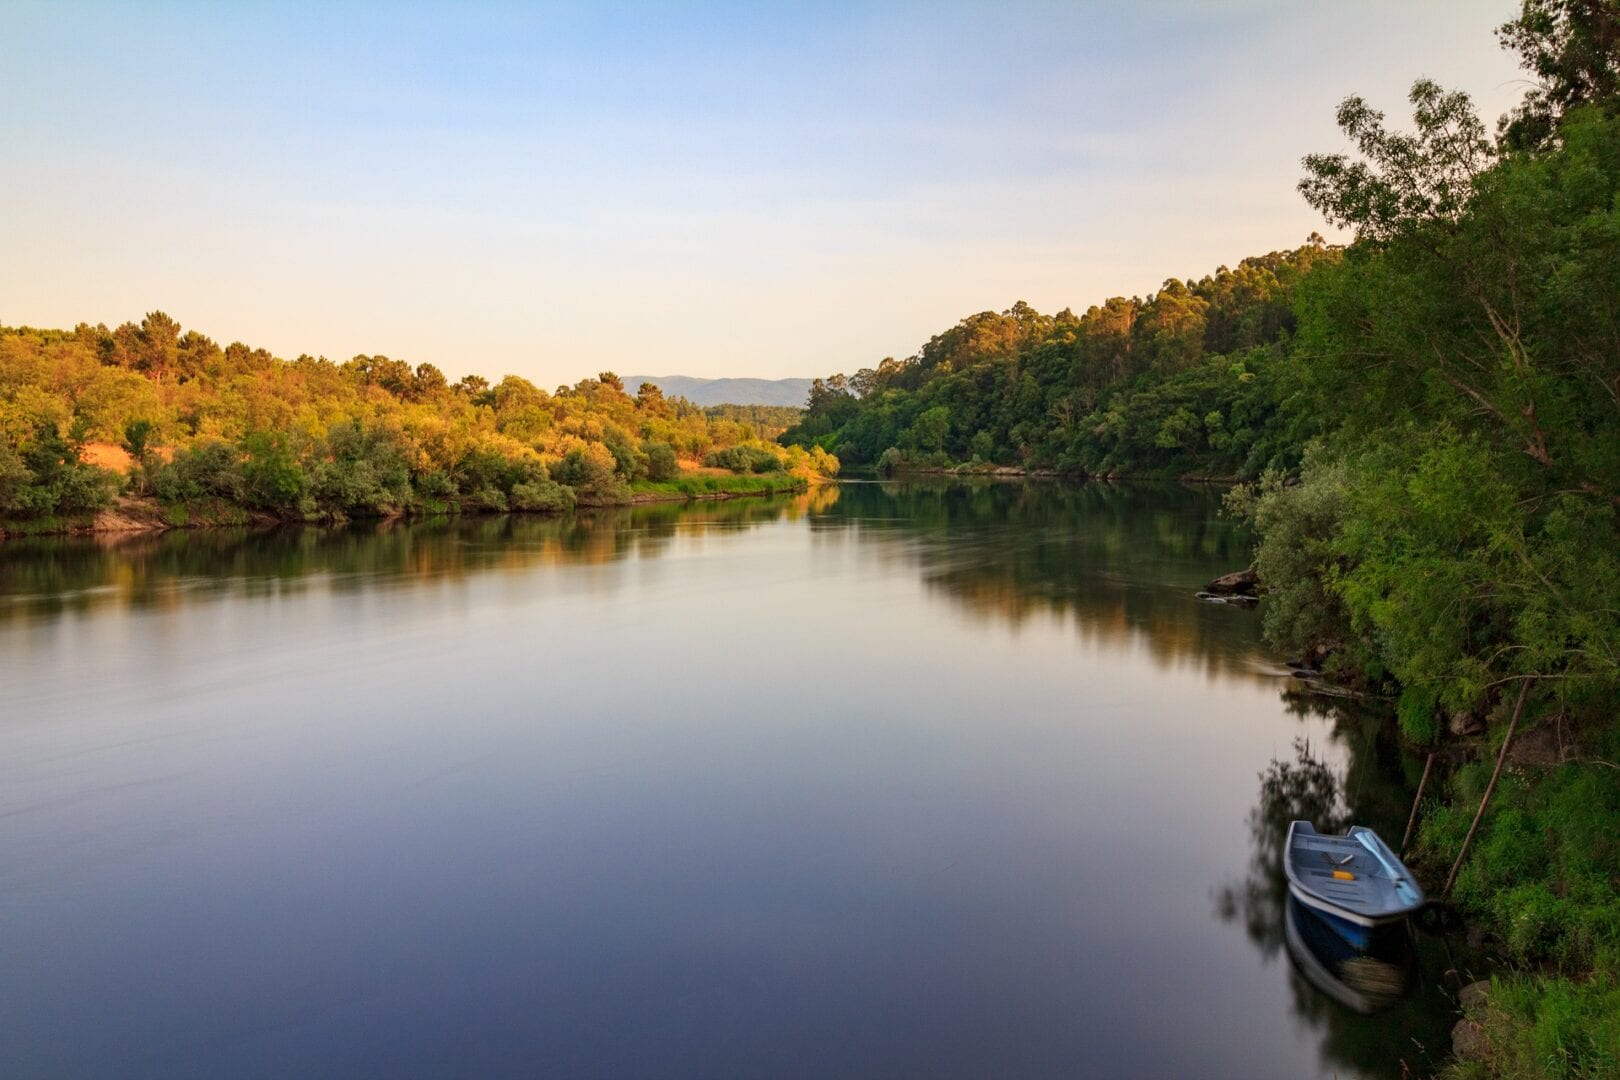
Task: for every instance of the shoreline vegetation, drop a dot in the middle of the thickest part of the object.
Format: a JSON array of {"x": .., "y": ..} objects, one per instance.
[
  {"x": 1426, "y": 424},
  {"x": 146, "y": 426},
  {"x": 145, "y": 513}
]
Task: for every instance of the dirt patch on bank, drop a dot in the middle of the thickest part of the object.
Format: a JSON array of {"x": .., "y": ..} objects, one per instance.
[{"x": 128, "y": 514}]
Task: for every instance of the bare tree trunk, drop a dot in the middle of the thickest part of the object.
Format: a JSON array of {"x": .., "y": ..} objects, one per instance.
[{"x": 1490, "y": 788}]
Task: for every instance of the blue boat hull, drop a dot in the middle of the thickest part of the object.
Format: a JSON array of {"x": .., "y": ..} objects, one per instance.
[{"x": 1354, "y": 882}]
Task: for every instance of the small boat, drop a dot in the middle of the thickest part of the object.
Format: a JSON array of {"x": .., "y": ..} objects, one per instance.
[
  {"x": 1353, "y": 880},
  {"x": 1363, "y": 981}
]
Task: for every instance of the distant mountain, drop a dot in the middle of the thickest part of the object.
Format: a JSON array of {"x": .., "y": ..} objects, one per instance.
[{"x": 726, "y": 391}]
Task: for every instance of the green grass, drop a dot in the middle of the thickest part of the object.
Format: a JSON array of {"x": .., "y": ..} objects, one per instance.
[
  {"x": 703, "y": 484},
  {"x": 1543, "y": 881},
  {"x": 46, "y": 526},
  {"x": 1543, "y": 877},
  {"x": 204, "y": 512},
  {"x": 1549, "y": 1026}
]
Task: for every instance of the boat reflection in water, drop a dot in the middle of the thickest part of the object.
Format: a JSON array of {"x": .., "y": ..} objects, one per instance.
[
  {"x": 1389, "y": 1018},
  {"x": 1365, "y": 979}
]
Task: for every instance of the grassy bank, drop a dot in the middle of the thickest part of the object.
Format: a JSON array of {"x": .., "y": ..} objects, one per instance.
[
  {"x": 1542, "y": 883},
  {"x": 710, "y": 486}
]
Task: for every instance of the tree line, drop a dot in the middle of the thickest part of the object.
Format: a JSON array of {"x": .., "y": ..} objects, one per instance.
[
  {"x": 309, "y": 438},
  {"x": 1192, "y": 378}
]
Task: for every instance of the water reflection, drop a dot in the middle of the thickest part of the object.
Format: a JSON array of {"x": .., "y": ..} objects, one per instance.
[
  {"x": 1305, "y": 787},
  {"x": 53, "y": 575},
  {"x": 1365, "y": 978},
  {"x": 1392, "y": 1010},
  {"x": 928, "y": 776},
  {"x": 1116, "y": 563}
]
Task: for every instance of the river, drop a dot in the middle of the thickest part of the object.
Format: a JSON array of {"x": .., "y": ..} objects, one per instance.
[{"x": 913, "y": 779}]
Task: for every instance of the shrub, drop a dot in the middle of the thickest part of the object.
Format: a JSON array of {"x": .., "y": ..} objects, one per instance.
[
  {"x": 45, "y": 476},
  {"x": 628, "y": 461},
  {"x": 744, "y": 459},
  {"x": 1303, "y": 614},
  {"x": 15, "y": 480},
  {"x": 661, "y": 462},
  {"x": 208, "y": 470},
  {"x": 591, "y": 470},
  {"x": 541, "y": 494},
  {"x": 272, "y": 475},
  {"x": 365, "y": 472},
  {"x": 434, "y": 484}
]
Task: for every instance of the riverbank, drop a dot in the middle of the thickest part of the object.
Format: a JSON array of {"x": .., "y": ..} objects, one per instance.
[
  {"x": 694, "y": 487},
  {"x": 145, "y": 513},
  {"x": 1373, "y": 587},
  {"x": 1541, "y": 887}
]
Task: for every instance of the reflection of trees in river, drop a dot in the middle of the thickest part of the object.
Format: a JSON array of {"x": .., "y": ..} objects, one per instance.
[
  {"x": 164, "y": 570},
  {"x": 1305, "y": 788},
  {"x": 1121, "y": 564},
  {"x": 1364, "y": 778}
]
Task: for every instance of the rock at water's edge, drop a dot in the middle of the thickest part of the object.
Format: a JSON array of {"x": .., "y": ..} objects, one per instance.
[
  {"x": 1468, "y": 1041},
  {"x": 1472, "y": 996},
  {"x": 1237, "y": 583}
]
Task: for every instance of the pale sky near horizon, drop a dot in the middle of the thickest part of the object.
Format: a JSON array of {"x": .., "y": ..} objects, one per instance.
[{"x": 713, "y": 190}]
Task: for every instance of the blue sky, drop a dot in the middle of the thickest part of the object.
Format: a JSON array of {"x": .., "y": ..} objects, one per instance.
[{"x": 768, "y": 190}]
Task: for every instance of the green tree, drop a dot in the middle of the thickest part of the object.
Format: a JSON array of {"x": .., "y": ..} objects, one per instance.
[
  {"x": 929, "y": 431},
  {"x": 1404, "y": 181},
  {"x": 158, "y": 344},
  {"x": 661, "y": 461},
  {"x": 1572, "y": 48}
]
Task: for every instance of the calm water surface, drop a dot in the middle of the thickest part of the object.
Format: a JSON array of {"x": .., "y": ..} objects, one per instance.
[{"x": 914, "y": 780}]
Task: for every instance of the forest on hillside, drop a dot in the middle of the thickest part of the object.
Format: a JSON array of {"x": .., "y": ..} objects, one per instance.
[
  {"x": 1193, "y": 378},
  {"x": 149, "y": 409}
]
